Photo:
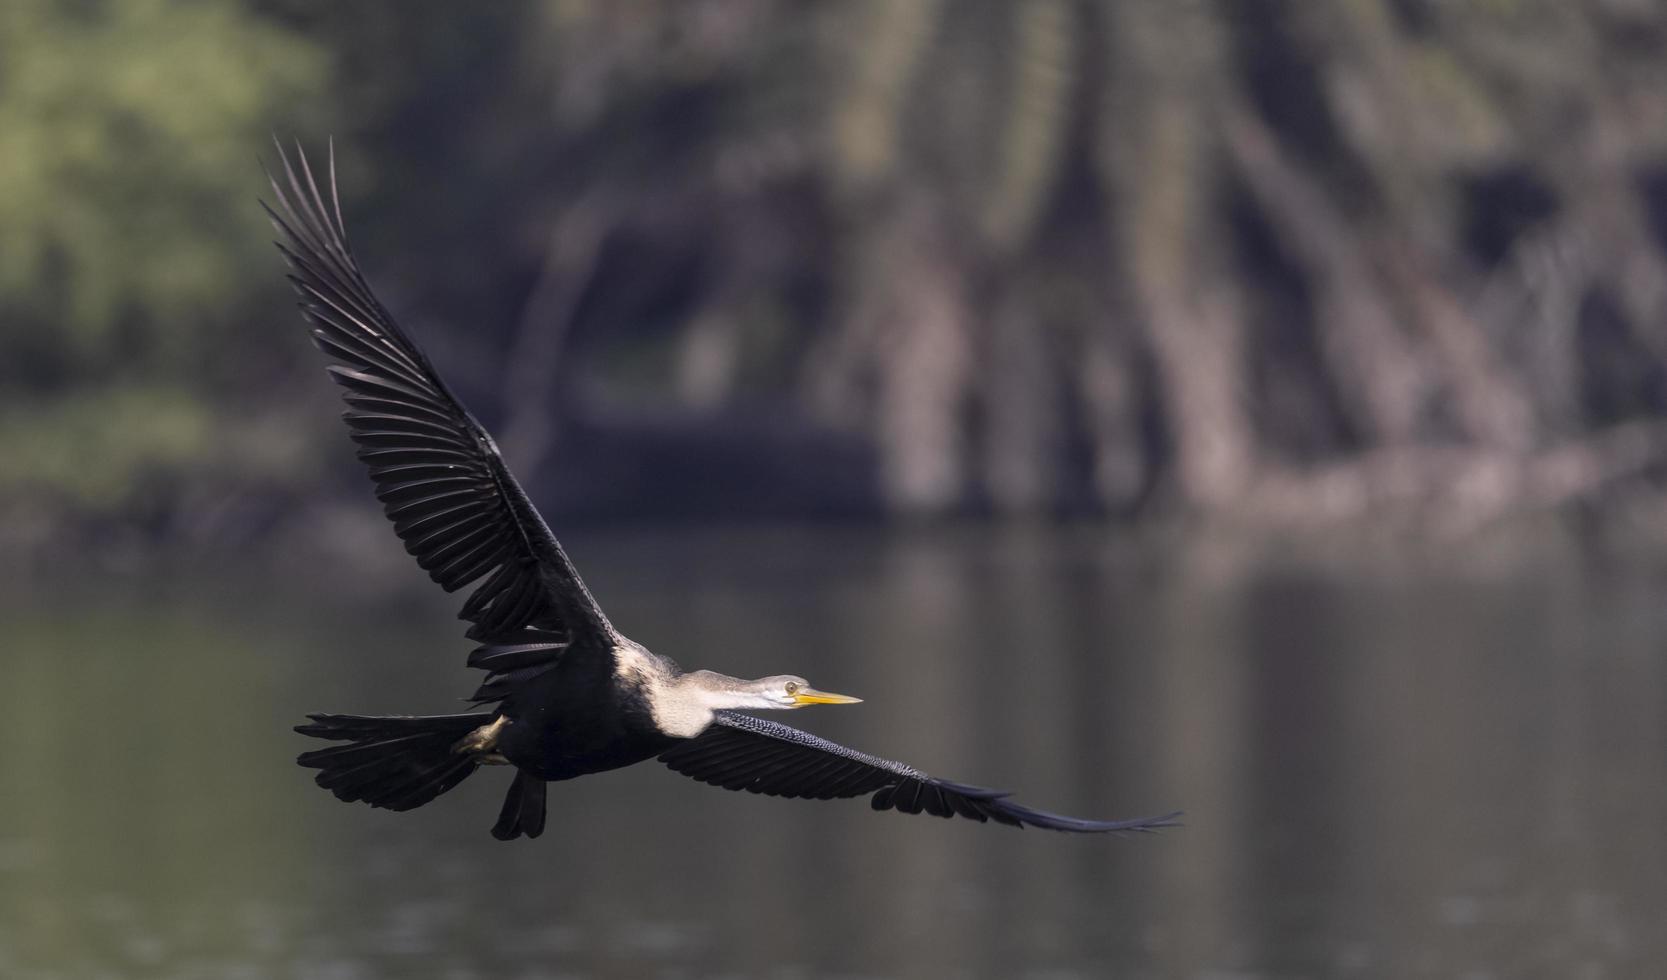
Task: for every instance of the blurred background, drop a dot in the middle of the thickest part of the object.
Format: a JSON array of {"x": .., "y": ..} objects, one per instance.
[{"x": 1256, "y": 407}]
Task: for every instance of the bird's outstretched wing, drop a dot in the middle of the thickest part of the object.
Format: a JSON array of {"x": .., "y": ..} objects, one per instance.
[
  {"x": 742, "y": 752},
  {"x": 438, "y": 474}
]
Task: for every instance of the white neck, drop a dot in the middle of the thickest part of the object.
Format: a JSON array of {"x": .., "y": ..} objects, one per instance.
[
  {"x": 682, "y": 704},
  {"x": 684, "y": 707}
]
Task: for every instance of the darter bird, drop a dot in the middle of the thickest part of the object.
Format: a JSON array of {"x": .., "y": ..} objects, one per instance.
[{"x": 568, "y": 693}]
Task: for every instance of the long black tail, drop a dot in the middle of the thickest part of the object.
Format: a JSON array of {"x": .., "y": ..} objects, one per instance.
[{"x": 396, "y": 761}]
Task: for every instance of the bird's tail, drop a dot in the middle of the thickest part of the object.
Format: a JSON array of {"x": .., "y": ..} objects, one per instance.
[
  {"x": 523, "y": 810},
  {"x": 395, "y": 761}
]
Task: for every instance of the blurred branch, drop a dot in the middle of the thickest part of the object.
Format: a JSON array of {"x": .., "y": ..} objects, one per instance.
[
  {"x": 1380, "y": 374},
  {"x": 1461, "y": 487},
  {"x": 533, "y": 369}
]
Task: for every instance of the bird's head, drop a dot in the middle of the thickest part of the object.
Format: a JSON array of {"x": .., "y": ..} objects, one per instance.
[{"x": 788, "y": 691}]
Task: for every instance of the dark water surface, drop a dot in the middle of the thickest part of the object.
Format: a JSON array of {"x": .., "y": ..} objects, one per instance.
[{"x": 1450, "y": 764}]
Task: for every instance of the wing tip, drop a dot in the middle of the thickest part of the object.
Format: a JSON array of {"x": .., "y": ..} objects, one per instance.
[
  {"x": 944, "y": 798},
  {"x": 1078, "y": 825}
]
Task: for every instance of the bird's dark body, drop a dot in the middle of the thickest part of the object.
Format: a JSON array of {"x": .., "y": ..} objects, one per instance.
[
  {"x": 579, "y": 718},
  {"x": 573, "y": 696}
]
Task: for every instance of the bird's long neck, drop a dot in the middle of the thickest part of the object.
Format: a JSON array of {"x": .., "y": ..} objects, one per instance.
[
  {"x": 680, "y": 704},
  {"x": 683, "y": 705}
]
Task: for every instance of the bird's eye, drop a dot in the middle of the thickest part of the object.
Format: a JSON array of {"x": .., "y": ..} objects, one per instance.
[{"x": 792, "y": 687}]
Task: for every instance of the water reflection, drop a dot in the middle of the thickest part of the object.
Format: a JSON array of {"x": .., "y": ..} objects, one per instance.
[{"x": 1439, "y": 765}]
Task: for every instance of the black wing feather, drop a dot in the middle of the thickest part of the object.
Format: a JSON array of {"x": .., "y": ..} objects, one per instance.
[
  {"x": 439, "y": 476},
  {"x": 742, "y": 752}
]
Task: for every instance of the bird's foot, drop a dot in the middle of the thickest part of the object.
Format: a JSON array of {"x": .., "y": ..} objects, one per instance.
[{"x": 483, "y": 742}]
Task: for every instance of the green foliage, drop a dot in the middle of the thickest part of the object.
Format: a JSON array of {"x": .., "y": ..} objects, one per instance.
[
  {"x": 97, "y": 447},
  {"x": 130, "y": 130},
  {"x": 130, "y": 242}
]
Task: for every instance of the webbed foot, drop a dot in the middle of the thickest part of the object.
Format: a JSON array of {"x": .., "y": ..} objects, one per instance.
[{"x": 483, "y": 742}]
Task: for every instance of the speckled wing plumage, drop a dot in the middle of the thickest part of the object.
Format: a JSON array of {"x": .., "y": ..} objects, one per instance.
[
  {"x": 739, "y": 752},
  {"x": 439, "y": 476}
]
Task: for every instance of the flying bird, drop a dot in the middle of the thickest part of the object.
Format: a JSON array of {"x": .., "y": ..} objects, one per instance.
[{"x": 565, "y": 693}]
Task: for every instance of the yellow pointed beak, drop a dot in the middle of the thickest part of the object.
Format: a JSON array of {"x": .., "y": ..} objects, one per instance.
[{"x": 811, "y": 696}]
